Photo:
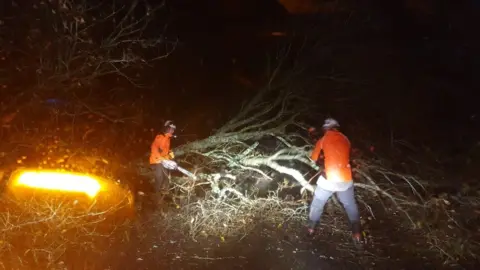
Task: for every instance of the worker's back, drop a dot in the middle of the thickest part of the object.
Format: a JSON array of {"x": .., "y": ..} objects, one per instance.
[{"x": 336, "y": 150}]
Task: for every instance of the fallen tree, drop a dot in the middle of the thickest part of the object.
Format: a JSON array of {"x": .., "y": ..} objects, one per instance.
[
  {"x": 273, "y": 114},
  {"x": 265, "y": 147}
]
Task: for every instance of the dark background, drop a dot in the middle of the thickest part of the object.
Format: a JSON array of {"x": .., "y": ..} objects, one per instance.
[
  {"x": 388, "y": 70},
  {"x": 412, "y": 65}
]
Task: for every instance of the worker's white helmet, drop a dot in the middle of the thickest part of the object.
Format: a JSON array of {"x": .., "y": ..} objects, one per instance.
[
  {"x": 169, "y": 124},
  {"x": 330, "y": 123},
  {"x": 169, "y": 127}
]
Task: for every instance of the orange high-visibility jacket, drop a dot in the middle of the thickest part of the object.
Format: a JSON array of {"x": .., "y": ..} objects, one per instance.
[
  {"x": 160, "y": 149},
  {"x": 336, "y": 150}
]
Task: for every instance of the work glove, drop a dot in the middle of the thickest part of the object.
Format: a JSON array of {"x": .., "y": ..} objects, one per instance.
[{"x": 169, "y": 164}]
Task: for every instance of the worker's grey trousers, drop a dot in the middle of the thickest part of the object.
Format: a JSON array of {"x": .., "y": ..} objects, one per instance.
[
  {"x": 161, "y": 177},
  {"x": 347, "y": 198}
]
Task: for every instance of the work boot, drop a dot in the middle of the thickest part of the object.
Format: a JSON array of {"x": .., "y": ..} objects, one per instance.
[
  {"x": 358, "y": 240},
  {"x": 357, "y": 235},
  {"x": 311, "y": 227}
]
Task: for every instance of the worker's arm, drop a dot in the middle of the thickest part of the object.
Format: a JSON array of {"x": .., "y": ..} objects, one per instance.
[{"x": 316, "y": 151}]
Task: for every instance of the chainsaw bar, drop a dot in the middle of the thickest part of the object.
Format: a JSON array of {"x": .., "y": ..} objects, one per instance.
[{"x": 187, "y": 173}]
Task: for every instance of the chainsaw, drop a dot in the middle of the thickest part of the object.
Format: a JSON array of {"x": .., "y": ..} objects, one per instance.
[{"x": 172, "y": 165}]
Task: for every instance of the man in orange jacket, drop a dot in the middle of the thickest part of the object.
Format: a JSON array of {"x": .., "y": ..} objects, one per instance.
[
  {"x": 337, "y": 177},
  {"x": 160, "y": 152}
]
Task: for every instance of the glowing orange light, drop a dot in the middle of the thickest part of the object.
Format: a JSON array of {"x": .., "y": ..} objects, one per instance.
[{"x": 59, "y": 181}]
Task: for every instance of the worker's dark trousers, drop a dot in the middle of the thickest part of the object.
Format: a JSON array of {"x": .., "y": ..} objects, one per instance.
[
  {"x": 161, "y": 178},
  {"x": 347, "y": 198}
]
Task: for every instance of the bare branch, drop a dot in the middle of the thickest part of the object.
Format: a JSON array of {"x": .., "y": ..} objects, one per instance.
[
  {"x": 281, "y": 169},
  {"x": 73, "y": 50}
]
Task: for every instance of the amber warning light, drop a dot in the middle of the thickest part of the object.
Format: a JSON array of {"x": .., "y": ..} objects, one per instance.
[{"x": 59, "y": 182}]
